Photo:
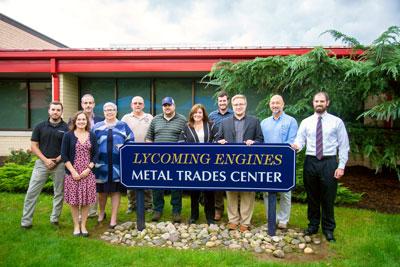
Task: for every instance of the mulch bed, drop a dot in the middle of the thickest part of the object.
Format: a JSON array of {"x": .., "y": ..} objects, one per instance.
[{"x": 381, "y": 190}]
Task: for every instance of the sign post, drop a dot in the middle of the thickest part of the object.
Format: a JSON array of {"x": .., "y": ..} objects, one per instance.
[{"x": 229, "y": 167}]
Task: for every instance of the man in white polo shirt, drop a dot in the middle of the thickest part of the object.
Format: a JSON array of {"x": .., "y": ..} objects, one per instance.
[{"x": 139, "y": 122}]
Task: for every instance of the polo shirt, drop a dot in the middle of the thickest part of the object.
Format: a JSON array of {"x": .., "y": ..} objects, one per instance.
[
  {"x": 163, "y": 130},
  {"x": 49, "y": 136},
  {"x": 138, "y": 125}
]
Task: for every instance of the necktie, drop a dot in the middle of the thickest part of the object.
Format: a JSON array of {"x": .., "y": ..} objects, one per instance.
[{"x": 318, "y": 140}]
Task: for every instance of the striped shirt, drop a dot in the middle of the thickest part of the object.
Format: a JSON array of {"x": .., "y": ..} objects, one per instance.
[{"x": 163, "y": 130}]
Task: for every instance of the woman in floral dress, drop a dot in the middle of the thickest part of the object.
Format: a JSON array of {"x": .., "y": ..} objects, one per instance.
[{"x": 79, "y": 152}]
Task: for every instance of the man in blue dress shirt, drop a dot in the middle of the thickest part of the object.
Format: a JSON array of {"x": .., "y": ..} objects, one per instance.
[
  {"x": 325, "y": 136},
  {"x": 279, "y": 128},
  {"x": 217, "y": 116}
]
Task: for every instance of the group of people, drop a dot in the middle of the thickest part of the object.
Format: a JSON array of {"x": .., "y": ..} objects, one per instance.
[{"x": 88, "y": 151}]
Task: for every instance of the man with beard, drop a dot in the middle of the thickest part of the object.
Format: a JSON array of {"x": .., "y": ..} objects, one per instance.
[
  {"x": 46, "y": 145},
  {"x": 279, "y": 128},
  {"x": 324, "y": 135},
  {"x": 217, "y": 116},
  {"x": 166, "y": 128},
  {"x": 88, "y": 104}
]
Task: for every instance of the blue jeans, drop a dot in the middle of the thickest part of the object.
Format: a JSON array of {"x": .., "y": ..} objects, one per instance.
[{"x": 176, "y": 200}]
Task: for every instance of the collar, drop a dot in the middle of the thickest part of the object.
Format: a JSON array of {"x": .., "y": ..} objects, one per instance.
[
  {"x": 242, "y": 119},
  {"x": 228, "y": 111},
  {"x": 280, "y": 117},
  {"x": 323, "y": 115}
]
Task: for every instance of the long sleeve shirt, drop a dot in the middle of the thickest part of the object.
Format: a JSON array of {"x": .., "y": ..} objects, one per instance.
[
  {"x": 281, "y": 130},
  {"x": 334, "y": 136}
]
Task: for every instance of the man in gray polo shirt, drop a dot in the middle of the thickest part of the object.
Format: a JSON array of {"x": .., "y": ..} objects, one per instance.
[{"x": 166, "y": 127}]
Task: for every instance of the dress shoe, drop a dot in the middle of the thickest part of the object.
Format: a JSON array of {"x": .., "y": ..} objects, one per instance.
[
  {"x": 156, "y": 216},
  {"x": 85, "y": 234},
  {"x": 76, "y": 234},
  {"x": 176, "y": 218},
  {"x": 26, "y": 227},
  {"x": 192, "y": 221},
  {"x": 232, "y": 226},
  {"x": 218, "y": 215},
  {"x": 310, "y": 231},
  {"x": 243, "y": 228},
  {"x": 329, "y": 237}
]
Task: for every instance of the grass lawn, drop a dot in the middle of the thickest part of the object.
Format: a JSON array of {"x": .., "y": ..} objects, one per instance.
[{"x": 364, "y": 238}]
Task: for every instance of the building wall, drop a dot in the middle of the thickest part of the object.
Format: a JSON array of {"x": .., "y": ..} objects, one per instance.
[
  {"x": 69, "y": 94},
  {"x": 15, "y": 38},
  {"x": 12, "y": 140}
]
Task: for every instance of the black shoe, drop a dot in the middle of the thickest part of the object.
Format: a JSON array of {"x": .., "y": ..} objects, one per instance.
[
  {"x": 329, "y": 237},
  {"x": 77, "y": 234},
  {"x": 211, "y": 222},
  {"x": 26, "y": 227},
  {"x": 55, "y": 223},
  {"x": 192, "y": 221},
  {"x": 310, "y": 231},
  {"x": 112, "y": 226},
  {"x": 83, "y": 234}
]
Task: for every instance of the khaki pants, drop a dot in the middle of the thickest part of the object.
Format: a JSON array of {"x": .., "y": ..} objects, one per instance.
[
  {"x": 243, "y": 214},
  {"x": 40, "y": 174}
]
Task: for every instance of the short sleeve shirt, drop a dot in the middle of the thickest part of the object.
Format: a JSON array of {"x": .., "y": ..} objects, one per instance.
[{"x": 49, "y": 136}]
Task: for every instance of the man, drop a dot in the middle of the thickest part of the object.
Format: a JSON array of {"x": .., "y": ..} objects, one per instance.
[
  {"x": 240, "y": 128},
  {"x": 279, "y": 128},
  {"x": 166, "y": 127},
  {"x": 139, "y": 122},
  {"x": 324, "y": 135},
  {"x": 88, "y": 104},
  {"x": 46, "y": 145},
  {"x": 217, "y": 116}
]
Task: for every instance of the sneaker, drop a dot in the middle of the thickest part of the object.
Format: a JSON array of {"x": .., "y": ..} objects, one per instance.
[
  {"x": 156, "y": 216},
  {"x": 243, "y": 228},
  {"x": 176, "y": 218},
  {"x": 282, "y": 225},
  {"x": 232, "y": 226}
]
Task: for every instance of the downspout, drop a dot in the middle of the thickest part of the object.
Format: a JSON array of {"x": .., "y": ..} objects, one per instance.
[{"x": 55, "y": 80}]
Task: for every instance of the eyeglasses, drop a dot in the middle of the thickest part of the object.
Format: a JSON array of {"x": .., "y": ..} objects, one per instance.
[
  {"x": 138, "y": 103},
  {"x": 109, "y": 110},
  {"x": 239, "y": 104}
]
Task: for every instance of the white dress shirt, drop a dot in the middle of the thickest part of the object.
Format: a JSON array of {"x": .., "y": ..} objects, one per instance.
[{"x": 334, "y": 137}]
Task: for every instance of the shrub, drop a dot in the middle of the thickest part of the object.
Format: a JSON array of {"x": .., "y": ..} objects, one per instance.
[{"x": 20, "y": 156}]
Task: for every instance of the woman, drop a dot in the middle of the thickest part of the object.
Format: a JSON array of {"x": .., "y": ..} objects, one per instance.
[
  {"x": 111, "y": 134},
  {"x": 79, "y": 152},
  {"x": 200, "y": 130}
]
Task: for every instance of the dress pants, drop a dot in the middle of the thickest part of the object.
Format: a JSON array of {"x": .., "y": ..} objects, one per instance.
[
  {"x": 283, "y": 215},
  {"x": 148, "y": 199},
  {"x": 321, "y": 186},
  {"x": 246, "y": 208},
  {"x": 40, "y": 174},
  {"x": 219, "y": 200},
  {"x": 209, "y": 202},
  {"x": 176, "y": 200}
]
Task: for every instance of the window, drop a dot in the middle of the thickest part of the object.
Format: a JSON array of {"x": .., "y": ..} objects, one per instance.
[
  {"x": 127, "y": 89},
  {"x": 179, "y": 89},
  {"x": 23, "y": 103}
]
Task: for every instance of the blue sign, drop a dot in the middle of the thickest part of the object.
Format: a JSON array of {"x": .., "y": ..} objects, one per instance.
[{"x": 188, "y": 166}]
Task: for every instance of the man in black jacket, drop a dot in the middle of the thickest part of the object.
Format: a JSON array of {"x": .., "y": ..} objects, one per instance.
[{"x": 244, "y": 129}]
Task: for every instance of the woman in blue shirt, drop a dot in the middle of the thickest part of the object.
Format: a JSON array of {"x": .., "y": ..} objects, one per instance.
[{"x": 111, "y": 134}]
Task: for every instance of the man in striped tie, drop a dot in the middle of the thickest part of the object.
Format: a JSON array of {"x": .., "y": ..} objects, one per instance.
[{"x": 325, "y": 137}]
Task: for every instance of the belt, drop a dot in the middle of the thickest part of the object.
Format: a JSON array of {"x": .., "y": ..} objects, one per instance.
[{"x": 323, "y": 158}]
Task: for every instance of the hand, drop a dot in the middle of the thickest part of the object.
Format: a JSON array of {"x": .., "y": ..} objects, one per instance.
[
  {"x": 249, "y": 142},
  {"x": 76, "y": 176},
  {"x": 295, "y": 146},
  {"x": 339, "y": 173},
  {"x": 85, "y": 173},
  {"x": 222, "y": 141},
  {"x": 50, "y": 164}
]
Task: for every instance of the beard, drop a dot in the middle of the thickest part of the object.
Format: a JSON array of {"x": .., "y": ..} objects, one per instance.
[{"x": 320, "y": 109}]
